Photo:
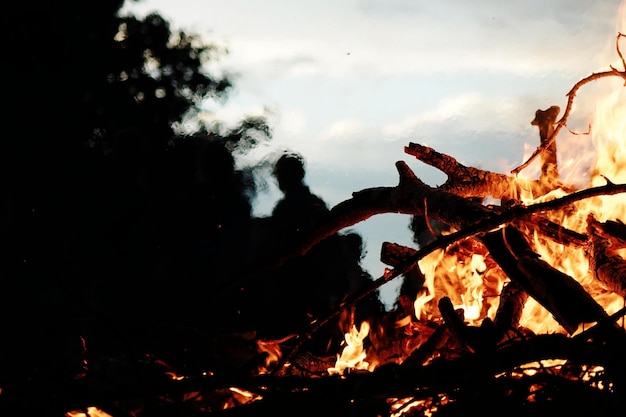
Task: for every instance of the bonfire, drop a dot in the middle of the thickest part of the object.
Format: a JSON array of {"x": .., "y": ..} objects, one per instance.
[{"x": 520, "y": 310}]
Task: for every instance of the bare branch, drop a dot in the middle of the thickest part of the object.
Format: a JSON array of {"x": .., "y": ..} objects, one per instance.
[
  {"x": 563, "y": 121},
  {"x": 619, "y": 51}
]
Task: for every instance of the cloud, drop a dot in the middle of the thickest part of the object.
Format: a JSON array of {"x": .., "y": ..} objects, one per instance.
[
  {"x": 393, "y": 38},
  {"x": 467, "y": 112},
  {"x": 347, "y": 131}
]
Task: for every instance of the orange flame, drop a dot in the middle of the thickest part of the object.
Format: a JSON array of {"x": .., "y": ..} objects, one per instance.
[
  {"x": 585, "y": 160},
  {"x": 91, "y": 412},
  {"x": 353, "y": 354}
]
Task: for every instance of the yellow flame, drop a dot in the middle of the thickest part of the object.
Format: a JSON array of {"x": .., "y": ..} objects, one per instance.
[
  {"x": 462, "y": 280},
  {"x": 91, "y": 412},
  {"x": 589, "y": 160},
  {"x": 353, "y": 354},
  {"x": 428, "y": 266},
  {"x": 274, "y": 353},
  {"x": 585, "y": 160}
]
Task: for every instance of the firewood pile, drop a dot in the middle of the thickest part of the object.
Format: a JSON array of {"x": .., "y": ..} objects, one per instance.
[{"x": 432, "y": 359}]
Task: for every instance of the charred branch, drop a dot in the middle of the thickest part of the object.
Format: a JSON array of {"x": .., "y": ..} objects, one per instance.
[
  {"x": 545, "y": 120},
  {"x": 563, "y": 120},
  {"x": 473, "y": 182},
  {"x": 612, "y": 230},
  {"x": 413, "y": 197},
  {"x": 560, "y": 294},
  {"x": 468, "y": 181},
  {"x": 393, "y": 254},
  {"x": 472, "y": 219},
  {"x": 427, "y": 350},
  {"x": 608, "y": 267},
  {"x": 553, "y": 231},
  {"x": 510, "y": 308},
  {"x": 472, "y": 338}
]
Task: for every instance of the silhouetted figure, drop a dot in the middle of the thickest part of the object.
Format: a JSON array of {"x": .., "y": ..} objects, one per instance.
[
  {"x": 359, "y": 279},
  {"x": 310, "y": 286},
  {"x": 300, "y": 211},
  {"x": 295, "y": 217}
]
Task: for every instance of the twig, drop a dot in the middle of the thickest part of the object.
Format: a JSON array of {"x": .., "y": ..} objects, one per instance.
[
  {"x": 570, "y": 100},
  {"x": 619, "y": 52},
  {"x": 563, "y": 120}
]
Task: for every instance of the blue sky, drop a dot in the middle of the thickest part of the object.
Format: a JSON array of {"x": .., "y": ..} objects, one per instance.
[{"x": 348, "y": 83}]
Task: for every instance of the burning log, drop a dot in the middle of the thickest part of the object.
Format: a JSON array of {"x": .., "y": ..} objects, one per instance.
[
  {"x": 560, "y": 294},
  {"x": 552, "y": 231},
  {"x": 613, "y": 230},
  {"x": 473, "y": 182},
  {"x": 414, "y": 197},
  {"x": 475, "y": 339},
  {"x": 510, "y": 308},
  {"x": 607, "y": 265},
  {"x": 466, "y": 181}
]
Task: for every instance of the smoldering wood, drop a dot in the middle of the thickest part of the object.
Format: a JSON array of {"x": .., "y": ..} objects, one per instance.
[
  {"x": 415, "y": 198},
  {"x": 352, "y": 395}
]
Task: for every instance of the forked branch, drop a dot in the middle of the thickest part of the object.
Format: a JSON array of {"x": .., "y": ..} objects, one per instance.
[{"x": 562, "y": 122}]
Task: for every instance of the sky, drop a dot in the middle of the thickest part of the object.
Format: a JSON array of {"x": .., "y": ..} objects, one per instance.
[{"x": 349, "y": 83}]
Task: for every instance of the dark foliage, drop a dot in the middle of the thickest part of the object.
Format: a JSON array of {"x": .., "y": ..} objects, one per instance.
[{"x": 113, "y": 227}]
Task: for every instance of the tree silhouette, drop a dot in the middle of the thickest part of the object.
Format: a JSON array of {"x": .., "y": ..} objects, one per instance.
[
  {"x": 92, "y": 168},
  {"x": 114, "y": 222},
  {"x": 116, "y": 225},
  {"x": 87, "y": 85}
]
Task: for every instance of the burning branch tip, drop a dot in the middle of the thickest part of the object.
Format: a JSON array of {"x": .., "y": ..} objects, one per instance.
[
  {"x": 609, "y": 183},
  {"x": 619, "y": 73}
]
